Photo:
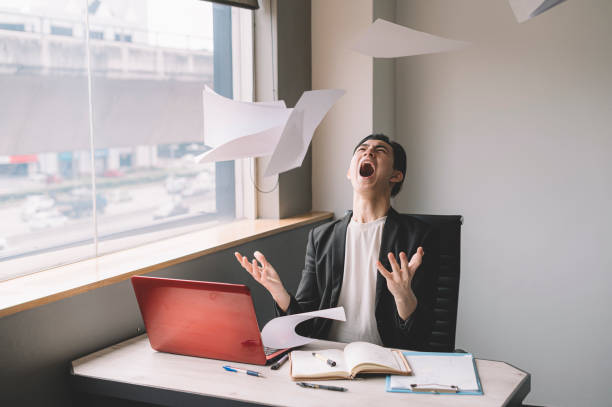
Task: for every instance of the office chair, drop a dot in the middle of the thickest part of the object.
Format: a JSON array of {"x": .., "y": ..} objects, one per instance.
[{"x": 446, "y": 296}]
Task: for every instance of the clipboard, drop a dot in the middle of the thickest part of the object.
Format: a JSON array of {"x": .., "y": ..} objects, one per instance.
[{"x": 433, "y": 387}]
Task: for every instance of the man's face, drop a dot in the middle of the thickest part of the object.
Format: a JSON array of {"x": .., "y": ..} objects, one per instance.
[{"x": 371, "y": 168}]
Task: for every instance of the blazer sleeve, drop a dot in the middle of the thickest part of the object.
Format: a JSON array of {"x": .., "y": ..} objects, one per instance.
[
  {"x": 307, "y": 297},
  {"x": 413, "y": 333}
]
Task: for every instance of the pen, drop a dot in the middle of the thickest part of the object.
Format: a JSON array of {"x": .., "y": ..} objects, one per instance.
[
  {"x": 237, "y": 370},
  {"x": 321, "y": 386},
  {"x": 324, "y": 359},
  {"x": 280, "y": 362}
]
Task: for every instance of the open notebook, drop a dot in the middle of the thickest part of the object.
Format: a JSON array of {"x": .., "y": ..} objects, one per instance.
[{"x": 357, "y": 357}]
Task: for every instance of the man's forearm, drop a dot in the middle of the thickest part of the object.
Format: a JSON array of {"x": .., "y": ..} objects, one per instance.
[
  {"x": 282, "y": 299},
  {"x": 405, "y": 306}
]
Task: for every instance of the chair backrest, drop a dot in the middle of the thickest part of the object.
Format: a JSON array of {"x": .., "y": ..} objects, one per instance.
[{"x": 442, "y": 338}]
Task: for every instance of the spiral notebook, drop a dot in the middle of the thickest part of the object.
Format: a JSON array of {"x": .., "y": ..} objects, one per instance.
[{"x": 438, "y": 373}]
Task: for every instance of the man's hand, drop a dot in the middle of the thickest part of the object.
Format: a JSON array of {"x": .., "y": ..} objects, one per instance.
[
  {"x": 265, "y": 275},
  {"x": 399, "y": 282}
]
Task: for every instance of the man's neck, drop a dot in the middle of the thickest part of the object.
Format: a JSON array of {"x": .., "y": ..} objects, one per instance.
[{"x": 366, "y": 209}]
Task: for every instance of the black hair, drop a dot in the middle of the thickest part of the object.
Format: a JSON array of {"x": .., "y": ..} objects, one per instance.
[{"x": 399, "y": 157}]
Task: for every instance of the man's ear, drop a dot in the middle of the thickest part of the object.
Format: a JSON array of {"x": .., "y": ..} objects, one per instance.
[
  {"x": 348, "y": 173},
  {"x": 397, "y": 176}
]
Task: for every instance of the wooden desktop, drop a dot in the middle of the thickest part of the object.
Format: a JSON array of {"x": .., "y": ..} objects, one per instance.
[{"x": 132, "y": 370}]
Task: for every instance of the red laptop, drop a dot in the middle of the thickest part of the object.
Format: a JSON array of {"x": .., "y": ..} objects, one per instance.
[{"x": 200, "y": 318}]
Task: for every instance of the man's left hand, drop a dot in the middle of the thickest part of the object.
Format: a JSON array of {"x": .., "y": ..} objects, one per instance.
[{"x": 399, "y": 282}]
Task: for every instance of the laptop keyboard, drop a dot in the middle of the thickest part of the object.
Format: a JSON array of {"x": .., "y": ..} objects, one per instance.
[{"x": 268, "y": 351}]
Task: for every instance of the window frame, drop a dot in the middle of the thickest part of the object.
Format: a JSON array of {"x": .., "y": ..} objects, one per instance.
[
  {"x": 241, "y": 39},
  {"x": 243, "y": 78}
]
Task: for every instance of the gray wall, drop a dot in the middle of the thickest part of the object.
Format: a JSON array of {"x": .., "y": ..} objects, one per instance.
[
  {"x": 368, "y": 105},
  {"x": 294, "y": 62},
  {"x": 515, "y": 133},
  {"x": 383, "y": 78},
  {"x": 37, "y": 346},
  {"x": 335, "y": 24},
  {"x": 283, "y": 60}
]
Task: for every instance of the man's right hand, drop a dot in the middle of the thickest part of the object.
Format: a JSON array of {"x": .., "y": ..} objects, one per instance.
[{"x": 265, "y": 275}]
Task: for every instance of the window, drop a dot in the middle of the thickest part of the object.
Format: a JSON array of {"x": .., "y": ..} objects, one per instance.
[{"x": 100, "y": 118}]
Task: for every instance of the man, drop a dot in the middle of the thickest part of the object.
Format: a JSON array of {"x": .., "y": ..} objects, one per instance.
[{"x": 361, "y": 262}]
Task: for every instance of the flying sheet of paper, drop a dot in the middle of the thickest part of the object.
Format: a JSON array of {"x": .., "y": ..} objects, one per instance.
[
  {"x": 226, "y": 119},
  {"x": 240, "y": 129},
  {"x": 384, "y": 39},
  {"x": 253, "y": 145},
  {"x": 527, "y": 9},
  {"x": 280, "y": 333},
  {"x": 303, "y": 121}
]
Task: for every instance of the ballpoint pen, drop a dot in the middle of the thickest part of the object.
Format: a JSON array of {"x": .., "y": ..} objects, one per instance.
[
  {"x": 237, "y": 370},
  {"x": 321, "y": 386},
  {"x": 324, "y": 359},
  {"x": 280, "y": 362}
]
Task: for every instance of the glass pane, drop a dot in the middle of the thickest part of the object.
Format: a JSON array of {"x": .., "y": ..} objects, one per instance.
[
  {"x": 150, "y": 61},
  {"x": 150, "y": 64},
  {"x": 45, "y": 166}
]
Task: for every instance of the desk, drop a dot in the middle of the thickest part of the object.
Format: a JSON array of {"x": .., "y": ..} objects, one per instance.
[{"x": 132, "y": 370}]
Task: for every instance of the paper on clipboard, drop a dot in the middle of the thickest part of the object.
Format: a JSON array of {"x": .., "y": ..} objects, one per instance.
[
  {"x": 438, "y": 369},
  {"x": 384, "y": 39},
  {"x": 280, "y": 332}
]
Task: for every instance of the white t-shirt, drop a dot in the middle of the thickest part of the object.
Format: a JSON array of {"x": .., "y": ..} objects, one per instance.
[{"x": 358, "y": 291}]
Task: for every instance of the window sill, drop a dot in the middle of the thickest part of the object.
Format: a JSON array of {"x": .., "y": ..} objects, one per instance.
[{"x": 22, "y": 293}]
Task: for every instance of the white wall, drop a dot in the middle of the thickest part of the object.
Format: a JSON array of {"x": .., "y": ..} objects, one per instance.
[
  {"x": 515, "y": 133},
  {"x": 334, "y": 25}
]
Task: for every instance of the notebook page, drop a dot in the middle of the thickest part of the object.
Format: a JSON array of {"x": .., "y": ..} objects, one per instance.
[
  {"x": 304, "y": 364},
  {"x": 438, "y": 369},
  {"x": 364, "y": 352}
]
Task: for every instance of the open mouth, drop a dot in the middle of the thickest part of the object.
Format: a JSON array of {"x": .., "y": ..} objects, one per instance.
[{"x": 366, "y": 169}]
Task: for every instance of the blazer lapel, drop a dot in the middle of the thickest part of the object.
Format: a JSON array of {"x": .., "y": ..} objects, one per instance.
[
  {"x": 387, "y": 244},
  {"x": 338, "y": 257}
]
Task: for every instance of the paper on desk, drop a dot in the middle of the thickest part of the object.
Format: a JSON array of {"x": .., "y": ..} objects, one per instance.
[
  {"x": 428, "y": 368},
  {"x": 527, "y": 9},
  {"x": 280, "y": 333},
  {"x": 297, "y": 134},
  {"x": 226, "y": 119},
  {"x": 384, "y": 39}
]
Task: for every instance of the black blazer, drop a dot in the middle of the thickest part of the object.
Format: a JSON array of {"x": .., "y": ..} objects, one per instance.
[{"x": 322, "y": 276}]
